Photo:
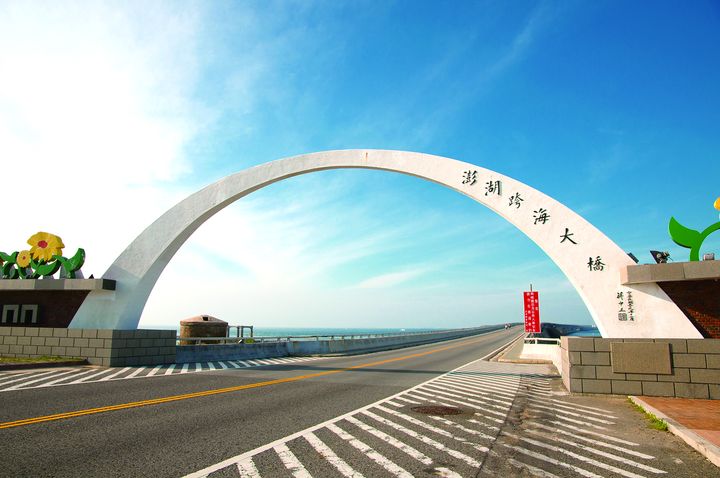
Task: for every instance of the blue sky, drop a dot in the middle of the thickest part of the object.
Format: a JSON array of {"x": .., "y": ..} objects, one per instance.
[{"x": 111, "y": 112}]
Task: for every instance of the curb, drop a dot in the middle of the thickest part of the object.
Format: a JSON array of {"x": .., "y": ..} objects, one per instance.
[
  {"x": 24, "y": 366},
  {"x": 491, "y": 357},
  {"x": 702, "y": 445}
]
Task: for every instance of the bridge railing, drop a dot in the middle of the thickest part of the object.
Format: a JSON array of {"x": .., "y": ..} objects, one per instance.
[{"x": 302, "y": 338}]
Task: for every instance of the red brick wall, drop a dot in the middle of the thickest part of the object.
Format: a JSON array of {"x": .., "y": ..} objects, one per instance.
[{"x": 700, "y": 301}]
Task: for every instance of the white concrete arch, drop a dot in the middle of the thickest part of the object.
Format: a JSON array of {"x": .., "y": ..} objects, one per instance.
[{"x": 138, "y": 268}]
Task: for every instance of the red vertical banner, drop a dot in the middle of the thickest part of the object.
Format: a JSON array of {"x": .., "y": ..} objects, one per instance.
[{"x": 532, "y": 312}]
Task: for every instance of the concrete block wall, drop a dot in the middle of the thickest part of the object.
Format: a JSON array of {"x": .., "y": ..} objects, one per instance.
[
  {"x": 98, "y": 346},
  {"x": 587, "y": 367}
]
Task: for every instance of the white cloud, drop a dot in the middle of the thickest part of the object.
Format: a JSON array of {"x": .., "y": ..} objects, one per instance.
[
  {"x": 390, "y": 279},
  {"x": 95, "y": 117}
]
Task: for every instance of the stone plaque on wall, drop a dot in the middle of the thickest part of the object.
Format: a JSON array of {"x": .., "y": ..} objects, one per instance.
[{"x": 640, "y": 357}]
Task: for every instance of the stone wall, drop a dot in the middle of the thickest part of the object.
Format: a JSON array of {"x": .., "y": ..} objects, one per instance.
[
  {"x": 98, "y": 346},
  {"x": 687, "y": 368}
]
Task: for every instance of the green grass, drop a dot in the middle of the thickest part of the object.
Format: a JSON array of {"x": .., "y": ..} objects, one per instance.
[
  {"x": 654, "y": 422},
  {"x": 44, "y": 358}
]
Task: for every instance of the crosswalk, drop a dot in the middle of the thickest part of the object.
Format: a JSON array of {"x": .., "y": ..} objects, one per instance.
[
  {"x": 31, "y": 379},
  {"x": 483, "y": 419}
]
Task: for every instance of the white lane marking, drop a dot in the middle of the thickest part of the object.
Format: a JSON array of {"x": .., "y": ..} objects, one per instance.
[
  {"x": 24, "y": 377},
  {"x": 291, "y": 462},
  {"x": 15, "y": 387},
  {"x": 540, "y": 473},
  {"x": 425, "y": 439},
  {"x": 578, "y": 457},
  {"x": 465, "y": 401},
  {"x": 154, "y": 371},
  {"x": 110, "y": 377},
  {"x": 198, "y": 367},
  {"x": 500, "y": 392},
  {"x": 564, "y": 406},
  {"x": 573, "y": 414},
  {"x": 170, "y": 369},
  {"x": 53, "y": 382},
  {"x": 211, "y": 366},
  {"x": 394, "y": 404},
  {"x": 234, "y": 365},
  {"x": 137, "y": 371},
  {"x": 407, "y": 400},
  {"x": 450, "y": 423},
  {"x": 247, "y": 469},
  {"x": 595, "y": 451},
  {"x": 9, "y": 376},
  {"x": 470, "y": 405},
  {"x": 538, "y": 456},
  {"x": 482, "y": 424},
  {"x": 237, "y": 363},
  {"x": 419, "y": 456},
  {"x": 460, "y": 393},
  {"x": 185, "y": 368},
  {"x": 480, "y": 390},
  {"x": 244, "y": 456},
  {"x": 446, "y": 473},
  {"x": 605, "y": 412},
  {"x": 588, "y": 432},
  {"x": 330, "y": 456},
  {"x": 571, "y": 420},
  {"x": 102, "y": 372},
  {"x": 370, "y": 453},
  {"x": 252, "y": 362},
  {"x": 223, "y": 365},
  {"x": 595, "y": 442},
  {"x": 489, "y": 381}
]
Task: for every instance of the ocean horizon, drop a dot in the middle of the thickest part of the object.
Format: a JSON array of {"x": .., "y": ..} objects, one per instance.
[{"x": 298, "y": 331}]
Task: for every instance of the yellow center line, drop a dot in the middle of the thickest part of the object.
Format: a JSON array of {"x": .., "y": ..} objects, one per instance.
[{"x": 205, "y": 393}]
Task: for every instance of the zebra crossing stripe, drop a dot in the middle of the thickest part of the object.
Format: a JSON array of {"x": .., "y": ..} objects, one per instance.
[
  {"x": 330, "y": 456},
  {"x": 223, "y": 365},
  {"x": 154, "y": 371},
  {"x": 573, "y": 414},
  {"x": 170, "y": 369},
  {"x": 601, "y": 435},
  {"x": 578, "y": 457},
  {"x": 62, "y": 379},
  {"x": 594, "y": 442},
  {"x": 460, "y": 392},
  {"x": 185, "y": 368},
  {"x": 470, "y": 402},
  {"x": 24, "y": 376},
  {"x": 211, "y": 366},
  {"x": 535, "y": 471},
  {"x": 419, "y": 456},
  {"x": 109, "y": 377},
  {"x": 538, "y": 456},
  {"x": 10, "y": 376},
  {"x": 482, "y": 391},
  {"x": 291, "y": 462},
  {"x": 390, "y": 466},
  {"x": 595, "y": 451},
  {"x": 247, "y": 469},
  {"x": 16, "y": 387},
  {"x": 446, "y": 473},
  {"x": 560, "y": 406},
  {"x": 136, "y": 372},
  {"x": 427, "y": 440}
]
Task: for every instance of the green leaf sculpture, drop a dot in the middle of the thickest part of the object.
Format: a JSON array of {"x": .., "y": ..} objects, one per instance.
[
  {"x": 690, "y": 238},
  {"x": 70, "y": 266}
]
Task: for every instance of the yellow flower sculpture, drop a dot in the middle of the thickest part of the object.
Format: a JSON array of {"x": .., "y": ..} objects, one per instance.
[
  {"x": 45, "y": 245},
  {"x": 23, "y": 259},
  {"x": 717, "y": 204}
]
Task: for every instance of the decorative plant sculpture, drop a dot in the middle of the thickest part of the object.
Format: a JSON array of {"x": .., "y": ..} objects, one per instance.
[
  {"x": 690, "y": 238},
  {"x": 43, "y": 259}
]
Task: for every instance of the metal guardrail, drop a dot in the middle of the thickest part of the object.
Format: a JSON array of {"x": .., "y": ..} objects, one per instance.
[
  {"x": 298, "y": 338},
  {"x": 541, "y": 341}
]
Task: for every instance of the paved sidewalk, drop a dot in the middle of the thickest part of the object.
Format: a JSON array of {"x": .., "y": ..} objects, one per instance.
[{"x": 696, "y": 421}]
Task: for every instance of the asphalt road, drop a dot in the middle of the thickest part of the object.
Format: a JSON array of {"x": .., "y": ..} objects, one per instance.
[{"x": 181, "y": 436}]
